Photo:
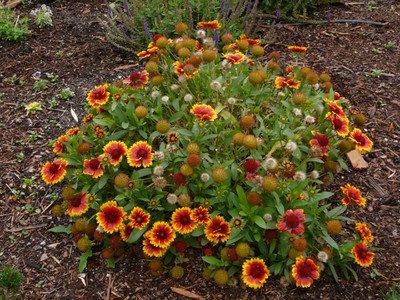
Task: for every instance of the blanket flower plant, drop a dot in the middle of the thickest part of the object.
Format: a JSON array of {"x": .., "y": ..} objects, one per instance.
[{"x": 216, "y": 147}]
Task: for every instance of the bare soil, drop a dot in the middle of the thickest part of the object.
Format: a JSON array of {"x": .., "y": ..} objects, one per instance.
[{"x": 76, "y": 51}]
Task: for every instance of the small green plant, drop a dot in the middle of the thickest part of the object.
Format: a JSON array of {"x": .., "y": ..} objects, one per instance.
[
  {"x": 33, "y": 107},
  {"x": 28, "y": 182},
  {"x": 390, "y": 45},
  {"x": 53, "y": 77},
  {"x": 376, "y": 73},
  {"x": 376, "y": 51},
  {"x": 372, "y": 5},
  {"x": 43, "y": 16},
  {"x": 27, "y": 209},
  {"x": 33, "y": 136},
  {"x": 20, "y": 157},
  {"x": 393, "y": 293},
  {"x": 41, "y": 85},
  {"x": 66, "y": 93},
  {"x": 12, "y": 27},
  {"x": 12, "y": 80},
  {"x": 53, "y": 102},
  {"x": 10, "y": 282}
]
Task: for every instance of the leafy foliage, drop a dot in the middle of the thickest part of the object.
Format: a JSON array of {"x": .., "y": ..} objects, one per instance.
[
  {"x": 12, "y": 27},
  {"x": 219, "y": 149}
]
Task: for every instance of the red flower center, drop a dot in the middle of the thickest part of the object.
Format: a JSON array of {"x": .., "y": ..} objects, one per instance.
[
  {"x": 76, "y": 201},
  {"x": 141, "y": 153},
  {"x": 292, "y": 221},
  {"x": 98, "y": 94},
  {"x": 112, "y": 216},
  {"x": 116, "y": 153},
  {"x": 54, "y": 168},
  {"x": 256, "y": 271},
  {"x": 161, "y": 234},
  {"x": 305, "y": 270},
  {"x": 138, "y": 219},
  {"x": 94, "y": 163},
  {"x": 184, "y": 220},
  {"x": 362, "y": 253}
]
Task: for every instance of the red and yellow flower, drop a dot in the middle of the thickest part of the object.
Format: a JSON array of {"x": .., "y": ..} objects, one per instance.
[
  {"x": 72, "y": 131},
  {"x": 88, "y": 118},
  {"x": 172, "y": 138},
  {"x": 352, "y": 194},
  {"x": 162, "y": 234},
  {"x": 335, "y": 108},
  {"x": 305, "y": 271},
  {"x": 137, "y": 79},
  {"x": 363, "y": 143},
  {"x": 151, "y": 250},
  {"x": 93, "y": 167},
  {"x": 250, "y": 41},
  {"x": 234, "y": 58},
  {"x": 138, "y": 218},
  {"x": 78, "y": 205},
  {"x": 115, "y": 150},
  {"x": 139, "y": 154},
  {"x": 204, "y": 112},
  {"x": 182, "y": 221},
  {"x": 255, "y": 273},
  {"x": 362, "y": 256},
  {"x": 217, "y": 230},
  {"x": 341, "y": 125},
  {"x": 54, "y": 172},
  {"x": 99, "y": 96},
  {"x": 147, "y": 53},
  {"x": 200, "y": 215},
  {"x": 297, "y": 49},
  {"x": 292, "y": 222},
  {"x": 59, "y": 146},
  {"x": 210, "y": 24},
  {"x": 364, "y": 232},
  {"x": 111, "y": 217},
  {"x": 281, "y": 82},
  {"x": 125, "y": 232}
]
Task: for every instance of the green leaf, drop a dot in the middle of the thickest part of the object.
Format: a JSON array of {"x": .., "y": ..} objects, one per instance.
[
  {"x": 330, "y": 241},
  {"x": 111, "y": 262},
  {"x": 333, "y": 271},
  {"x": 61, "y": 229},
  {"x": 212, "y": 260},
  {"x": 323, "y": 195},
  {"x": 83, "y": 260},
  {"x": 235, "y": 236},
  {"x": 334, "y": 213},
  {"x": 136, "y": 234},
  {"x": 242, "y": 199},
  {"x": 175, "y": 117},
  {"x": 260, "y": 222}
]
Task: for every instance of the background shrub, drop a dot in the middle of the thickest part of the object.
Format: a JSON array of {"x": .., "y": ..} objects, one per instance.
[{"x": 132, "y": 23}]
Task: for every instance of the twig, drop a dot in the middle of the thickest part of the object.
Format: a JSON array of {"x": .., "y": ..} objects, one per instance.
[
  {"x": 328, "y": 22},
  {"x": 26, "y": 228}
]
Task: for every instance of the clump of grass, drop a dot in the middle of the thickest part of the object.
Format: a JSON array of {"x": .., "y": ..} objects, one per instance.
[{"x": 10, "y": 282}]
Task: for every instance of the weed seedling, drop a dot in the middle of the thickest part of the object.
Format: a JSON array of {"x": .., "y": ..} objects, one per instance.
[
  {"x": 66, "y": 93},
  {"x": 41, "y": 85}
]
